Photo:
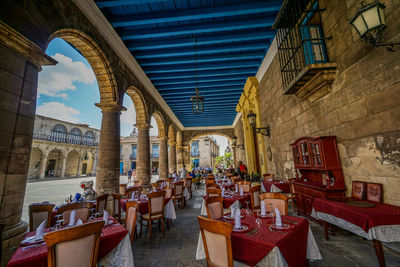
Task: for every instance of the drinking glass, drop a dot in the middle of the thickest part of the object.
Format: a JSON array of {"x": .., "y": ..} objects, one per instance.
[
  {"x": 272, "y": 211},
  {"x": 258, "y": 220},
  {"x": 247, "y": 209}
]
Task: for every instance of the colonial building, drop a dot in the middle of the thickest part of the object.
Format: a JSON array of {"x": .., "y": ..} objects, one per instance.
[
  {"x": 61, "y": 148},
  {"x": 203, "y": 151}
]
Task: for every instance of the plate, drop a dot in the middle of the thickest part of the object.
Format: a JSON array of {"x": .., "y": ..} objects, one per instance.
[
  {"x": 228, "y": 216},
  {"x": 31, "y": 240},
  {"x": 361, "y": 204},
  {"x": 266, "y": 216},
  {"x": 245, "y": 228},
  {"x": 284, "y": 226}
]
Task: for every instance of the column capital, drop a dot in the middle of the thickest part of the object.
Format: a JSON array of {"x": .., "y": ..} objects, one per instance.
[
  {"x": 163, "y": 138},
  {"x": 23, "y": 46},
  {"x": 142, "y": 126},
  {"x": 171, "y": 143},
  {"x": 110, "y": 106}
]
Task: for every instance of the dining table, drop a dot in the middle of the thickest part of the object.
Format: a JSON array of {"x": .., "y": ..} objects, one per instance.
[
  {"x": 379, "y": 222},
  {"x": 169, "y": 209},
  {"x": 268, "y": 246},
  {"x": 279, "y": 186},
  {"x": 115, "y": 249}
]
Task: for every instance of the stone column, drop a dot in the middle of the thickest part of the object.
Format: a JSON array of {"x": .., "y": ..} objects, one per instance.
[
  {"x": 163, "y": 158},
  {"x": 107, "y": 177},
  {"x": 63, "y": 165},
  {"x": 79, "y": 170},
  {"x": 143, "y": 155},
  {"x": 21, "y": 61},
  {"x": 94, "y": 165},
  {"x": 172, "y": 156},
  {"x": 43, "y": 163},
  {"x": 186, "y": 156},
  {"x": 179, "y": 157}
]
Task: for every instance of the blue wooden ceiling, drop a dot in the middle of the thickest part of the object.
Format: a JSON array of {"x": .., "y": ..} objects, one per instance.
[{"x": 213, "y": 45}]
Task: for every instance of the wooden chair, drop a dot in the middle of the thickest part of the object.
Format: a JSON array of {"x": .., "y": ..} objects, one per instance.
[
  {"x": 374, "y": 192},
  {"x": 212, "y": 185},
  {"x": 133, "y": 190},
  {"x": 268, "y": 176},
  {"x": 215, "y": 207},
  {"x": 74, "y": 246},
  {"x": 132, "y": 208},
  {"x": 178, "y": 194},
  {"x": 279, "y": 200},
  {"x": 358, "y": 190},
  {"x": 213, "y": 192},
  {"x": 255, "y": 197},
  {"x": 138, "y": 183},
  {"x": 82, "y": 211},
  {"x": 292, "y": 194},
  {"x": 156, "y": 210},
  {"x": 187, "y": 183},
  {"x": 235, "y": 179},
  {"x": 122, "y": 189},
  {"x": 38, "y": 213},
  {"x": 159, "y": 183},
  {"x": 210, "y": 181},
  {"x": 101, "y": 204},
  {"x": 154, "y": 186},
  {"x": 217, "y": 241},
  {"x": 117, "y": 207},
  {"x": 171, "y": 180},
  {"x": 245, "y": 185},
  {"x": 168, "y": 192}
]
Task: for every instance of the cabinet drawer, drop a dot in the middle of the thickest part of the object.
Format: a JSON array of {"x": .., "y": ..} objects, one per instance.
[{"x": 313, "y": 193}]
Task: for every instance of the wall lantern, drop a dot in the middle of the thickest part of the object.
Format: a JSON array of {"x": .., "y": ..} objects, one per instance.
[
  {"x": 234, "y": 140},
  {"x": 197, "y": 102},
  {"x": 240, "y": 146},
  {"x": 369, "y": 22},
  {"x": 264, "y": 131},
  {"x": 252, "y": 118}
]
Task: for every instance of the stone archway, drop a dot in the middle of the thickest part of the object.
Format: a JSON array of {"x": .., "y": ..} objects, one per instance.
[
  {"x": 163, "y": 148},
  {"x": 73, "y": 162},
  {"x": 179, "y": 150},
  {"x": 142, "y": 118}
]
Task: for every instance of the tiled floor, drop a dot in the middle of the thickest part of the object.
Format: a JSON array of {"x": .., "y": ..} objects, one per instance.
[{"x": 178, "y": 246}]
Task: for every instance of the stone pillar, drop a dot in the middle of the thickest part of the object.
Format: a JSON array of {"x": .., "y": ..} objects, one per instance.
[
  {"x": 179, "y": 157},
  {"x": 143, "y": 155},
  {"x": 107, "y": 177},
  {"x": 43, "y": 163},
  {"x": 21, "y": 61},
  {"x": 63, "y": 165},
  {"x": 94, "y": 165},
  {"x": 163, "y": 158},
  {"x": 186, "y": 156},
  {"x": 172, "y": 156},
  {"x": 79, "y": 170}
]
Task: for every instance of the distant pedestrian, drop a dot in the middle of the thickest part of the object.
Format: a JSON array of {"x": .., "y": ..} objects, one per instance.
[
  {"x": 129, "y": 176},
  {"x": 183, "y": 172}
]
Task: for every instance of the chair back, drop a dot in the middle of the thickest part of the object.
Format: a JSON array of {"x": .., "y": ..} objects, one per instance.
[
  {"x": 168, "y": 192},
  {"x": 255, "y": 197},
  {"x": 215, "y": 207},
  {"x": 178, "y": 189},
  {"x": 117, "y": 206},
  {"x": 74, "y": 246},
  {"x": 82, "y": 211},
  {"x": 210, "y": 181},
  {"x": 245, "y": 185},
  {"x": 291, "y": 186},
  {"x": 154, "y": 186},
  {"x": 213, "y": 192},
  {"x": 38, "y": 213},
  {"x": 269, "y": 176},
  {"x": 187, "y": 182},
  {"x": 217, "y": 241},
  {"x": 122, "y": 189},
  {"x": 279, "y": 200},
  {"x": 133, "y": 190},
  {"x": 374, "y": 192},
  {"x": 171, "y": 180},
  {"x": 212, "y": 185},
  {"x": 358, "y": 189},
  {"x": 131, "y": 217},
  {"x": 156, "y": 203},
  {"x": 160, "y": 182},
  {"x": 137, "y": 183},
  {"x": 235, "y": 179},
  {"x": 101, "y": 203}
]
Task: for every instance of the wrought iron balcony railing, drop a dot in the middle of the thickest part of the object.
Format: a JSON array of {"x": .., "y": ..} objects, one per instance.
[
  {"x": 154, "y": 156},
  {"x": 195, "y": 154},
  {"x": 132, "y": 156},
  {"x": 60, "y": 137}
]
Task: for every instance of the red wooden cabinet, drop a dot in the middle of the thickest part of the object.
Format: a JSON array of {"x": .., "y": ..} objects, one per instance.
[{"x": 318, "y": 170}]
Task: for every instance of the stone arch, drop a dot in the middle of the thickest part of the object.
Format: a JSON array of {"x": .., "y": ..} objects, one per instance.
[
  {"x": 142, "y": 117},
  {"x": 209, "y": 133},
  {"x": 96, "y": 58},
  {"x": 73, "y": 161},
  {"x": 34, "y": 162},
  {"x": 171, "y": 133},
  {"x": 53, "y": 164},
  {"x": 160, "y": 123}
]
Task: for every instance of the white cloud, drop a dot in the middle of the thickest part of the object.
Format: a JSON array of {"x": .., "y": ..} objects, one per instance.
[
  {"x": 222, "y": 141},
  {"x": 59, "y": 111},
  {"x": 154, "y": 129},
  {"x": 129, "y": 116},
  {"x": 55, "y": 80}
]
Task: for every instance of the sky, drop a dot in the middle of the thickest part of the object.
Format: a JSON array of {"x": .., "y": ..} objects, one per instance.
[{"x": 69, "y": 90}]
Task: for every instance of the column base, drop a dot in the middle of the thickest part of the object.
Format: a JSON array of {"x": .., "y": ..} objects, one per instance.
[{"x": 12, "y": 237}]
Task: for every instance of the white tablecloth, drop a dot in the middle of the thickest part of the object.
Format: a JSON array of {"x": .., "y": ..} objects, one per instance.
[
  {"x": 273, "y": 189},
  {"x": 121, "y": 255},
  {"x": 169, "y": 210},
  {"x": 384, "y": 233},
  {"x": 274, "y": 257}
]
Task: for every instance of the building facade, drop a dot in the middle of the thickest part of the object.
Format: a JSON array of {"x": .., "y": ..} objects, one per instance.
[
  {"x": 203, "y": 151},
  {"x": 61, "y": 149}
]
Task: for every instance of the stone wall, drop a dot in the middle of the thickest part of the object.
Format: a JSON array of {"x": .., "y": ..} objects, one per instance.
[
  {"x": 239, "y": 153},
  {"x": 362, "y": 109}
]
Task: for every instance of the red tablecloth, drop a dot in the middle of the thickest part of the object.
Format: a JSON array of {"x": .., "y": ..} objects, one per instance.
[
  {"x": 37, "y": 256},
  {"x": 242, "y": 199},
  {"x": 293, "y": 244},
  {"x": 366, "y": 218},
  {"x": 285, "y": 187},
  {"x": 143, "y": 205}
]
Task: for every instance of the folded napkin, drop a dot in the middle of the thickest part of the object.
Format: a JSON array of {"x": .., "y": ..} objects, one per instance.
[
  {"x": 40, "y": 230},
  {"x": 263, "y": 209},
  {"x": 79, "y": 222},
  {"x": 241, "y": 191},
  {"x": 233, "y": 211},
  {"x": 236, "y": 188},
  {"x": 133, "y": 195},
  {"x": 223, "y": 192},
  {"x": 278, "y": 220},
  {"x": 236, "y": 204},
  {"x": 238, "y": 223},
  {"x": 72, "y": 216},
  {"x": 105, "y": 217}
]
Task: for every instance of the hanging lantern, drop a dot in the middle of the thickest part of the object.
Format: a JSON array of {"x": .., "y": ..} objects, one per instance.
[{"x": 197, "y": 102}]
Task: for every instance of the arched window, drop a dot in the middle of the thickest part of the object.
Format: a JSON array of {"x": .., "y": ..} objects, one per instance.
[
  {"x": 75, "y": 136},
  {"x": 89, "y": 138},
  {"x": 58, "y": 133}
]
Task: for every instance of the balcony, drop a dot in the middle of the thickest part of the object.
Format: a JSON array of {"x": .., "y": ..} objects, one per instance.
[
  {"x": 154, "y": 156},
  {"x": 59, "y": 137},
  {"x": 195, "y": 154},
  {"x": 132, "y": 156}
]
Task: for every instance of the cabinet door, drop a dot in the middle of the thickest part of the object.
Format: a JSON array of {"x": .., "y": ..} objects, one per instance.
[
  {"x": 308, "y": 204},
  {"x": 305, "y": 154},
  {"x": 299, "y": 203},
  {"x": 296, "y": 155},
  {"x": 316, "y": 155}
]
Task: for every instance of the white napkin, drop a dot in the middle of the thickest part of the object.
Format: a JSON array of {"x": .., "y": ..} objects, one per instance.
[
  {"x": 105, "y": 217},
  {"x": 133, "y": 195},
  {"x": 241, "y": 191},
  {"x": 263, "y": 209},
  {"x": 223, "y": 192},
  {"x": 233, "y": 211},
  {"x": 40, "y": 230},
  {"x": 72, "y": 216},
  {"x": 236, "y": 188},
  {"x": 278, "y": 219},
  {"x": 238, "y": 223},
  {"x": 79, "y": 222}
]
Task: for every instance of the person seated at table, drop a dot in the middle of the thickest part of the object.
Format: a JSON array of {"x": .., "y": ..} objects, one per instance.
[
  {"x": 183, "y": 172},
  {"x": 176, "y": 177}
]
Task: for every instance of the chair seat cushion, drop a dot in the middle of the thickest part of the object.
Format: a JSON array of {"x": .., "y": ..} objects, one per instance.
[
  {"x": 154, "y": 217},
  {"x": 226, "y": 211}
]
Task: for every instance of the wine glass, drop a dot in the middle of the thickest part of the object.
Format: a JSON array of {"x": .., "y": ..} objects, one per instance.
[
  {"x": 272, "y": 211},
  {"x": 247, "y": 209},
  {"x": 258, "y": 220}
]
